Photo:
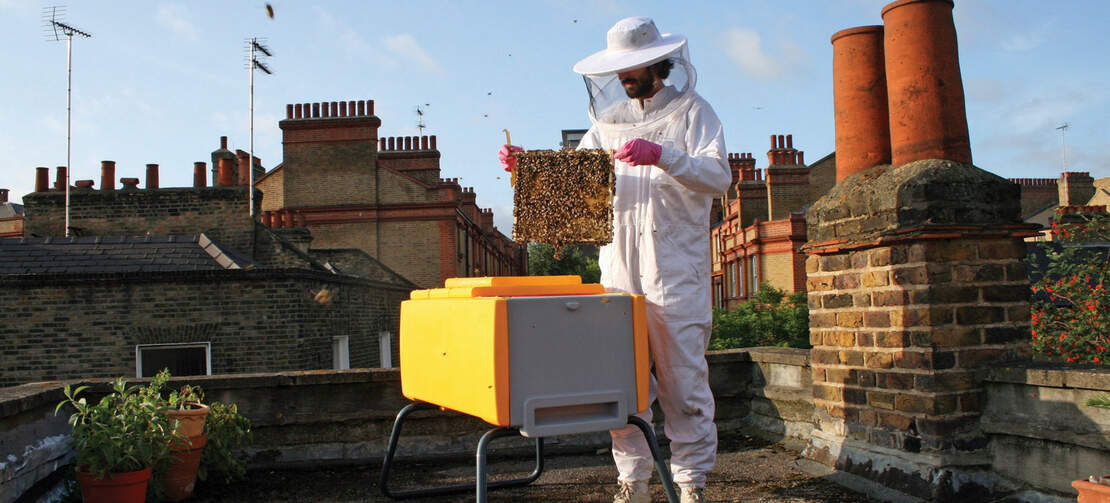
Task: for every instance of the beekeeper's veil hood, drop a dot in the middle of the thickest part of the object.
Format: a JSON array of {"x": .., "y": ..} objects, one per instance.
[{"x": 632, "y": 43}]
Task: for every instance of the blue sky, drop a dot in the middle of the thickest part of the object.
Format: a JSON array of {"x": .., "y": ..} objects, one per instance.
[{"x": 160, "y": 82}]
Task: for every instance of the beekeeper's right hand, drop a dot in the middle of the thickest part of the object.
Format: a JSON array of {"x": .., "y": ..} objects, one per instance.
[{"x": 505, "y": 155}]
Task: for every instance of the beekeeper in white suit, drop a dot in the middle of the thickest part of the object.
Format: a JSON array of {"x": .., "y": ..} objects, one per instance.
[{"x": 670, "y": 164}]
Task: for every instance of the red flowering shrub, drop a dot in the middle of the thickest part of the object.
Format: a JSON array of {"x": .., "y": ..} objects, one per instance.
[{"x": 1071, "y": 305}]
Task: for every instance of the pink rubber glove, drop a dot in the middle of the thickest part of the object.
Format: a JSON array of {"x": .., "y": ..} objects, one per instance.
[
  {"x": 639, "y": 153},
  {"x": 508, "y": 160}
]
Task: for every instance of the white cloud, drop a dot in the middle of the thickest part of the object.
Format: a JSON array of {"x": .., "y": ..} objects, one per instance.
[
  {"x": 744, "y": 47},
  {"x": 172, "y": 17},
  {"x": 407, "y": 48},
  {"x": 1022, "y": 42}
]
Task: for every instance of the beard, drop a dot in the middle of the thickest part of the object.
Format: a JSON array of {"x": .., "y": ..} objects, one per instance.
[{"x": 643, "y": 85}]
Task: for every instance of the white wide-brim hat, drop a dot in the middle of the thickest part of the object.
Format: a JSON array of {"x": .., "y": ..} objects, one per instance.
[{"x": 633, "y": 42}]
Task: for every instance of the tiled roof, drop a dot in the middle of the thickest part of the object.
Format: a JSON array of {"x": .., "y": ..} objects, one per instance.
[{"x": 99, "y": 254}]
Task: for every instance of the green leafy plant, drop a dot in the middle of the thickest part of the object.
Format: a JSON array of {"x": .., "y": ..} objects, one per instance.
[
  {"x": 1102, "y": 402},
  {"x": 771, "y": 318},
  {"x": 227, "y": 430},
  {"x": 225, "y": 427},
  {"x": 125, "y": 431},
  {"x": 1070, "y": 312},
  {"x": 573, "y": 261}
]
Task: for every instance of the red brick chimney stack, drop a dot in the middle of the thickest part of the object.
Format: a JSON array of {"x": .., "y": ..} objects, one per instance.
[
  {"x": 152, "y": 176},
  {"x": 928, "y": 119},
  {"x": 107, "y": 175},
  {"x": 200, "y": 178},
  {"x": 42, "y": 179}
]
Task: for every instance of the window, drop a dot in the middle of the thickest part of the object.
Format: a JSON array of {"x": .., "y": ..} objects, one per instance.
[
  {"x": 385, "y": 349},
  {"x": 341, "y": 352},
  {"x": 731, "y": 290},
  {"x": 743, "y": 288},
  {"x": 755, "y": 274},
  {"x": 185, "y": 359}
]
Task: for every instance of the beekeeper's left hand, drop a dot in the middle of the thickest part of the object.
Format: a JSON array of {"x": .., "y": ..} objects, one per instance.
[{"x": 639, "y": 153}]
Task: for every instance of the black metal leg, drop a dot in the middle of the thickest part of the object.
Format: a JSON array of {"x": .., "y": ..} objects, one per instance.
[
  {"x": 664, "y": 472},
  {"x": 481, "y": 484}
]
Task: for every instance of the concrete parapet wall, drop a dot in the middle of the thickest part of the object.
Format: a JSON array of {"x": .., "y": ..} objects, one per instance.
[
  {"x": 1042, "y": 436},
  {"x": 1041, "y": 432}
]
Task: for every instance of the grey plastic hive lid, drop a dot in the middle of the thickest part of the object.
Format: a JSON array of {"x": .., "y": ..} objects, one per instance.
[{"x": 571, "y": 363}]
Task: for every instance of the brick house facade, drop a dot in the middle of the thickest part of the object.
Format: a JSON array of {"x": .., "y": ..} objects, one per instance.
[
  {"x": 761, "y": 228},
  {"x": 384, "y": 196}
]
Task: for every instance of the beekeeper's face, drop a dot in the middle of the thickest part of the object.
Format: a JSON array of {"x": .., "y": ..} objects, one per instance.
[{"x": 638, "y": 83}]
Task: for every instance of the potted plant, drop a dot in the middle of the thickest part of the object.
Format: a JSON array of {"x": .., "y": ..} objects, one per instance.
[
  {"x": 1096, "y": 489},
  {"x": 187, "y": 412},
  {"x": 118, "y": 441},
  {"x": 213, "y": 431}
]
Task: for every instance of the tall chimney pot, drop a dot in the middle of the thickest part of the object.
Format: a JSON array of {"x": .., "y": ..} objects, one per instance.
[
  {"x": 60, "y": 180},
  {"x": 42, "y": 179},
  {"x": 152, "y": 176},
  {"x": 928, "y": 119},
  {"x": 226, "y": 176},
  {"x": 107, "y": 175},
  {"x": 3, "y": 195},
  {"x": 200, "y": 177},
  {"x": 860, "y": 102}
]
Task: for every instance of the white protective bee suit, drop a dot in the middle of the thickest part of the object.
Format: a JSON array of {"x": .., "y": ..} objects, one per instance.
[{"x": 660, "y": 242}]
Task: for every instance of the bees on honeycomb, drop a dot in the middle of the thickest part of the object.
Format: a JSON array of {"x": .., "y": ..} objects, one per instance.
[{"x": 563, "y": 197}]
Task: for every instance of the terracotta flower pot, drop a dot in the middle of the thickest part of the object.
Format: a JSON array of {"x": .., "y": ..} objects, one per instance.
[
  {"x": 1090, "y": 492},
  {"x": 181, "y": 475},
  {"x": 129, "y": 487},
  {"x": 191, "y": 421}
]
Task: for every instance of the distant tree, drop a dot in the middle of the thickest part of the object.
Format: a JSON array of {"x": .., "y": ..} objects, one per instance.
[
  {"x": 542, "y": 262},
  {"x": 771, "y": 318}
]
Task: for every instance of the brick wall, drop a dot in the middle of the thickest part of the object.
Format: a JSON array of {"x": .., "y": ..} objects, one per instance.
[
  {"x": 399, "y": 188},
  {"x": 412, "y": 249},
  {"x": 328, "y": 174},
  {"x": 273, "y": 190},
  {"x": 220, "y": 212},
  {"x": 787, "y": 190},
  {"x": 257, "y": 321}
]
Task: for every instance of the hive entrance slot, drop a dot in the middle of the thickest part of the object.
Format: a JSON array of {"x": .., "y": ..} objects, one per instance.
[{"x": 572, "y": 414}]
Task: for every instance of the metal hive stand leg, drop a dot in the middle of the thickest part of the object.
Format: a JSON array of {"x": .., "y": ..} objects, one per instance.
[
  {"x": 480, "y": 485},
  {"x": 664, "y": 472}
]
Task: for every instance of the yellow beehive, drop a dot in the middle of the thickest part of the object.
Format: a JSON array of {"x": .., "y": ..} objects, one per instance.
[{"x": 544, "y": 352}]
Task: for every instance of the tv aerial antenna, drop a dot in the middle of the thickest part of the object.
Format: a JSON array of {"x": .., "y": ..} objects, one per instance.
[
  {"x": 55, "y": 29},
  {"x": 420, "y": 126},
  {"x": 257, "y": 52},
  {"x": 1063, "y": 145}
]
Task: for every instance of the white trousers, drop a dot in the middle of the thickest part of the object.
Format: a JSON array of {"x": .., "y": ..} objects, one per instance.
[{"x": 681, "y": 384}]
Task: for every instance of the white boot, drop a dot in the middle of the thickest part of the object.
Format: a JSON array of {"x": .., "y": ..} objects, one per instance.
[
  {"x": 633, "y": 492},
  {"x": 691, "y": 494}
]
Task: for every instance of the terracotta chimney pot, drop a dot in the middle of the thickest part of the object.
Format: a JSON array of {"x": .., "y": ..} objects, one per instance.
[
  {"x": 200, "y": 178},
  {"x": 42, "y": 179},
  {"x": 226, "y": 173},
  {"x": 928, "y": 119},
  {"x": 152, "y": 176},
  {"x": 107, "y": 175},
  {"x": 860, "y": 100}
]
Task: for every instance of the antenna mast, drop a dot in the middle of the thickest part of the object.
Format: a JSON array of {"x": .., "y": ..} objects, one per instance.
[
  {"x": 1063, "y": 145},
  {"x": 55, "y": 29},
  {"x": 420, "y": 119},
  {"x": 257, "y": 51}
]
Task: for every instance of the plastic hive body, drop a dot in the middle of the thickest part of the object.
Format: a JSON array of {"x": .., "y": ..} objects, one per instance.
[{"x": 547, "y": 354}]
